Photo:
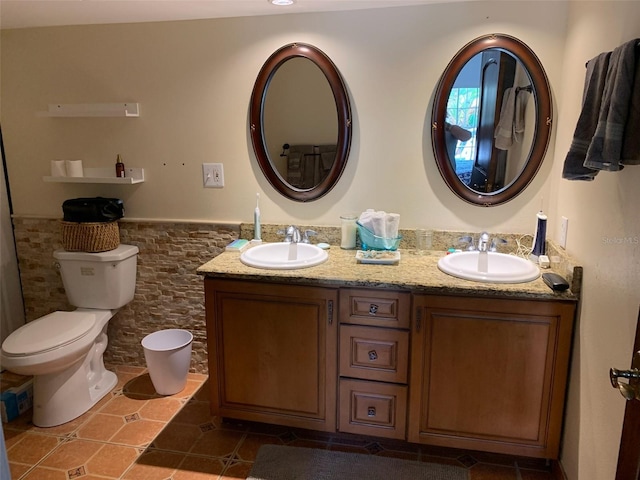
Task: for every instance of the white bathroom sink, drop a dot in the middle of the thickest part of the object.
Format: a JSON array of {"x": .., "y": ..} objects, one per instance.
[
  {"x": 284, "y": 256},
  {"x": 498, "y": 268}
]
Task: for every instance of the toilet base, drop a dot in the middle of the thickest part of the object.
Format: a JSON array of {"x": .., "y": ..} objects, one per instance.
[
  {"x": 63, "y": 396},
  {"x": 60, "y": 398}
]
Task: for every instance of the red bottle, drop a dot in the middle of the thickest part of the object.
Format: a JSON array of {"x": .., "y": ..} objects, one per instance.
[{"x": 119, "y": 167}]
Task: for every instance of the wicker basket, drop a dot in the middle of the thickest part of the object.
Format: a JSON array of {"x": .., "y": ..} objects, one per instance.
[{"x": 90, "y": 237}]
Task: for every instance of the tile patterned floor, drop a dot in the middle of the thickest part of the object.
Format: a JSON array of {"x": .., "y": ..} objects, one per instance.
[{"x": 134, "y": 434}]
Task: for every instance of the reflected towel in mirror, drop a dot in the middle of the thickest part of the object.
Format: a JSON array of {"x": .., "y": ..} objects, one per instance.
[{"x": 511, "y": 125}]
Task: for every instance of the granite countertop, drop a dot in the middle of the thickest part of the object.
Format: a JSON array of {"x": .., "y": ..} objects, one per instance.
[{"x": 413, "y": 272}]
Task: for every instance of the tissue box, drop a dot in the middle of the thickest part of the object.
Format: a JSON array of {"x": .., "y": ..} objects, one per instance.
[
  {"x": 371, "y": 241},
  {"x": 16, "y": 400}
]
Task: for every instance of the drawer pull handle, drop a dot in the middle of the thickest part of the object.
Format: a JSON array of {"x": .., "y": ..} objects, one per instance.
[
  {"x": 371, "y": 411},
  {"x": 373, "y": 355},
  {"x": 373, "y": 309}
]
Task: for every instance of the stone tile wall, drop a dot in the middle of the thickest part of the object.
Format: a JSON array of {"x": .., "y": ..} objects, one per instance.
[{"x": 169, "y": 293}]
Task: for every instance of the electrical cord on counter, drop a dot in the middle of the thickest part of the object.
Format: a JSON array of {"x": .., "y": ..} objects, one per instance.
[{"x": 522, "y": 250}]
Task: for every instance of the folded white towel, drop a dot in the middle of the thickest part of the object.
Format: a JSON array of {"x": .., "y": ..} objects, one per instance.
[
  {"x": 380, "y": 223},
  {"x": 392, "y": 223},
  {"x": 366, "y": 219}
]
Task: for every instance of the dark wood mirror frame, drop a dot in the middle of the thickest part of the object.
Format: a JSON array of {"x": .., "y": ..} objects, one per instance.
[
  {"x": 256, "y": 116},
  {"x": 542, "y": 95}
]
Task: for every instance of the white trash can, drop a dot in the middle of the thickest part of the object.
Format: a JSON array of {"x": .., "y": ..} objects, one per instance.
[{"x": 168, "y": 356}]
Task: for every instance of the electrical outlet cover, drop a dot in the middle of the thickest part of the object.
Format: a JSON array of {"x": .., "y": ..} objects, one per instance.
[
  {"x": 213, "y": 175},
  {"x": 564, "y": 227}
]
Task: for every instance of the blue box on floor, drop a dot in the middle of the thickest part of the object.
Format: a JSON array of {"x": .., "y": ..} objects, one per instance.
[{"x": 16, "y": 401}]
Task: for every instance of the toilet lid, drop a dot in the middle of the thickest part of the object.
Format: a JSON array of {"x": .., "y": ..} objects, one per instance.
[{"x": 49, "y": 332}]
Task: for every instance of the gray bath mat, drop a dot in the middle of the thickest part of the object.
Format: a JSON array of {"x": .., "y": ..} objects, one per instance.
[{"x": 275, "y": 462}]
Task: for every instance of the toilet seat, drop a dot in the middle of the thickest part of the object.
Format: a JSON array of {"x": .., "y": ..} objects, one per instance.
[{"x": 48, "y": 333}]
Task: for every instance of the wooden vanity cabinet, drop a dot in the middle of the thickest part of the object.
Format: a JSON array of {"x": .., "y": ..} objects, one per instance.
[
  {"x": 479, "y": 373},
  {"x": 489, "y": 374},
  {"x": 272, "y": 352},
  {"x": 374, "y": 362}
]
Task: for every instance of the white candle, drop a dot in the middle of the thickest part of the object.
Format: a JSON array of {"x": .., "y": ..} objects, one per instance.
[{"x": 348, "y": 240}]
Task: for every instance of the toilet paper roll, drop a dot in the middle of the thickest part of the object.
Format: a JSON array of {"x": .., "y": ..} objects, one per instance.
[
  {"x": 58, "y": 168},
  {"x": 74, "y": 168}
]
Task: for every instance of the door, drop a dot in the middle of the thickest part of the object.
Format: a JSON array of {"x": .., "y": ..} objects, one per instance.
[
  {"x": 629, "y": 455},
  {"x": 498, "y": 72}
]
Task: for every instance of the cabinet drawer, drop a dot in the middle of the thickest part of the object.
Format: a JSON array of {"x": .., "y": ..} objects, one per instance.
[
  {"x": 371, "y": 408},
  {"x": 374, "y": 353},
  {"x": 375, "y": 307}
]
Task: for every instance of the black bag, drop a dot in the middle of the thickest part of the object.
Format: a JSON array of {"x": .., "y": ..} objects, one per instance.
[{"x": 95, "y": 209}]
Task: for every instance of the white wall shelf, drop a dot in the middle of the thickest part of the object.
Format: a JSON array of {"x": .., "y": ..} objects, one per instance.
[
  {"x": 102, "y": 175},
  {"x": 91, "y": 110}
]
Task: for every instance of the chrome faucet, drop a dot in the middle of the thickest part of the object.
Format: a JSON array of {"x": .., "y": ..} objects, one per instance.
[
  {"x": 307, "y": 234},
  {"x": 483, "y": 242},
  {"x": 292, "y": 234},
  {"x": 483, "y": 245},
  {"x": 495, "y": 242},
  {"x": 468, "y": 239}
]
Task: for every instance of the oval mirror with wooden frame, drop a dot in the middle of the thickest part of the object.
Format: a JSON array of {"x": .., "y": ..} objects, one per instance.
[
  {"x": 491, "y": 120},
  {"x": 300, "y": 122}
]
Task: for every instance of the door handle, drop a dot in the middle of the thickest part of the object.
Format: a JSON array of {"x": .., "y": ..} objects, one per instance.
[{"x": 629, "y": 390}]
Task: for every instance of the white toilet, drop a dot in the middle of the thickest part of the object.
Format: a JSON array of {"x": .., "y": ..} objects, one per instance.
[{"x": 63, "y": 350}]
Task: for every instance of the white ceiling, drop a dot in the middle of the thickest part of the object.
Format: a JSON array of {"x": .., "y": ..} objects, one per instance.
[{"x": 40, "y": 13}]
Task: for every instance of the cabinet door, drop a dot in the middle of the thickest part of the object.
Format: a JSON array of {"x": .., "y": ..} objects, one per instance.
[
  {"x": 272, "y": 353},
  {"x": 489, "y": 374}
]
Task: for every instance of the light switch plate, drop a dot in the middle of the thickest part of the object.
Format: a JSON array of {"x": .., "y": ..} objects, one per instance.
[{"x": 212, "y": 175}]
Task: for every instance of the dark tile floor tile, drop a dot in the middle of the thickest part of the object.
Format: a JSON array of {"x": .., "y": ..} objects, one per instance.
[
  {"x": 250, "y": 445},
  {"x": 236, "y": 470}
]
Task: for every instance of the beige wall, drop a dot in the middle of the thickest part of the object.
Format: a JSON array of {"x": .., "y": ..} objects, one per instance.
[
  {"x": 194, "y": 79},
  {"x": 604, "y": 233}
]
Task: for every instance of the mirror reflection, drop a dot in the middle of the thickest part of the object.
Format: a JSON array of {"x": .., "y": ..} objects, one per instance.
[
  {"x": 300, "y": 123},
  {"x": 490, "y": 121}
]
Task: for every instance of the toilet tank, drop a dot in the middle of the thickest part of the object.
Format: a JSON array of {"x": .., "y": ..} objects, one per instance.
[{"x": 105, "y": 280}]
